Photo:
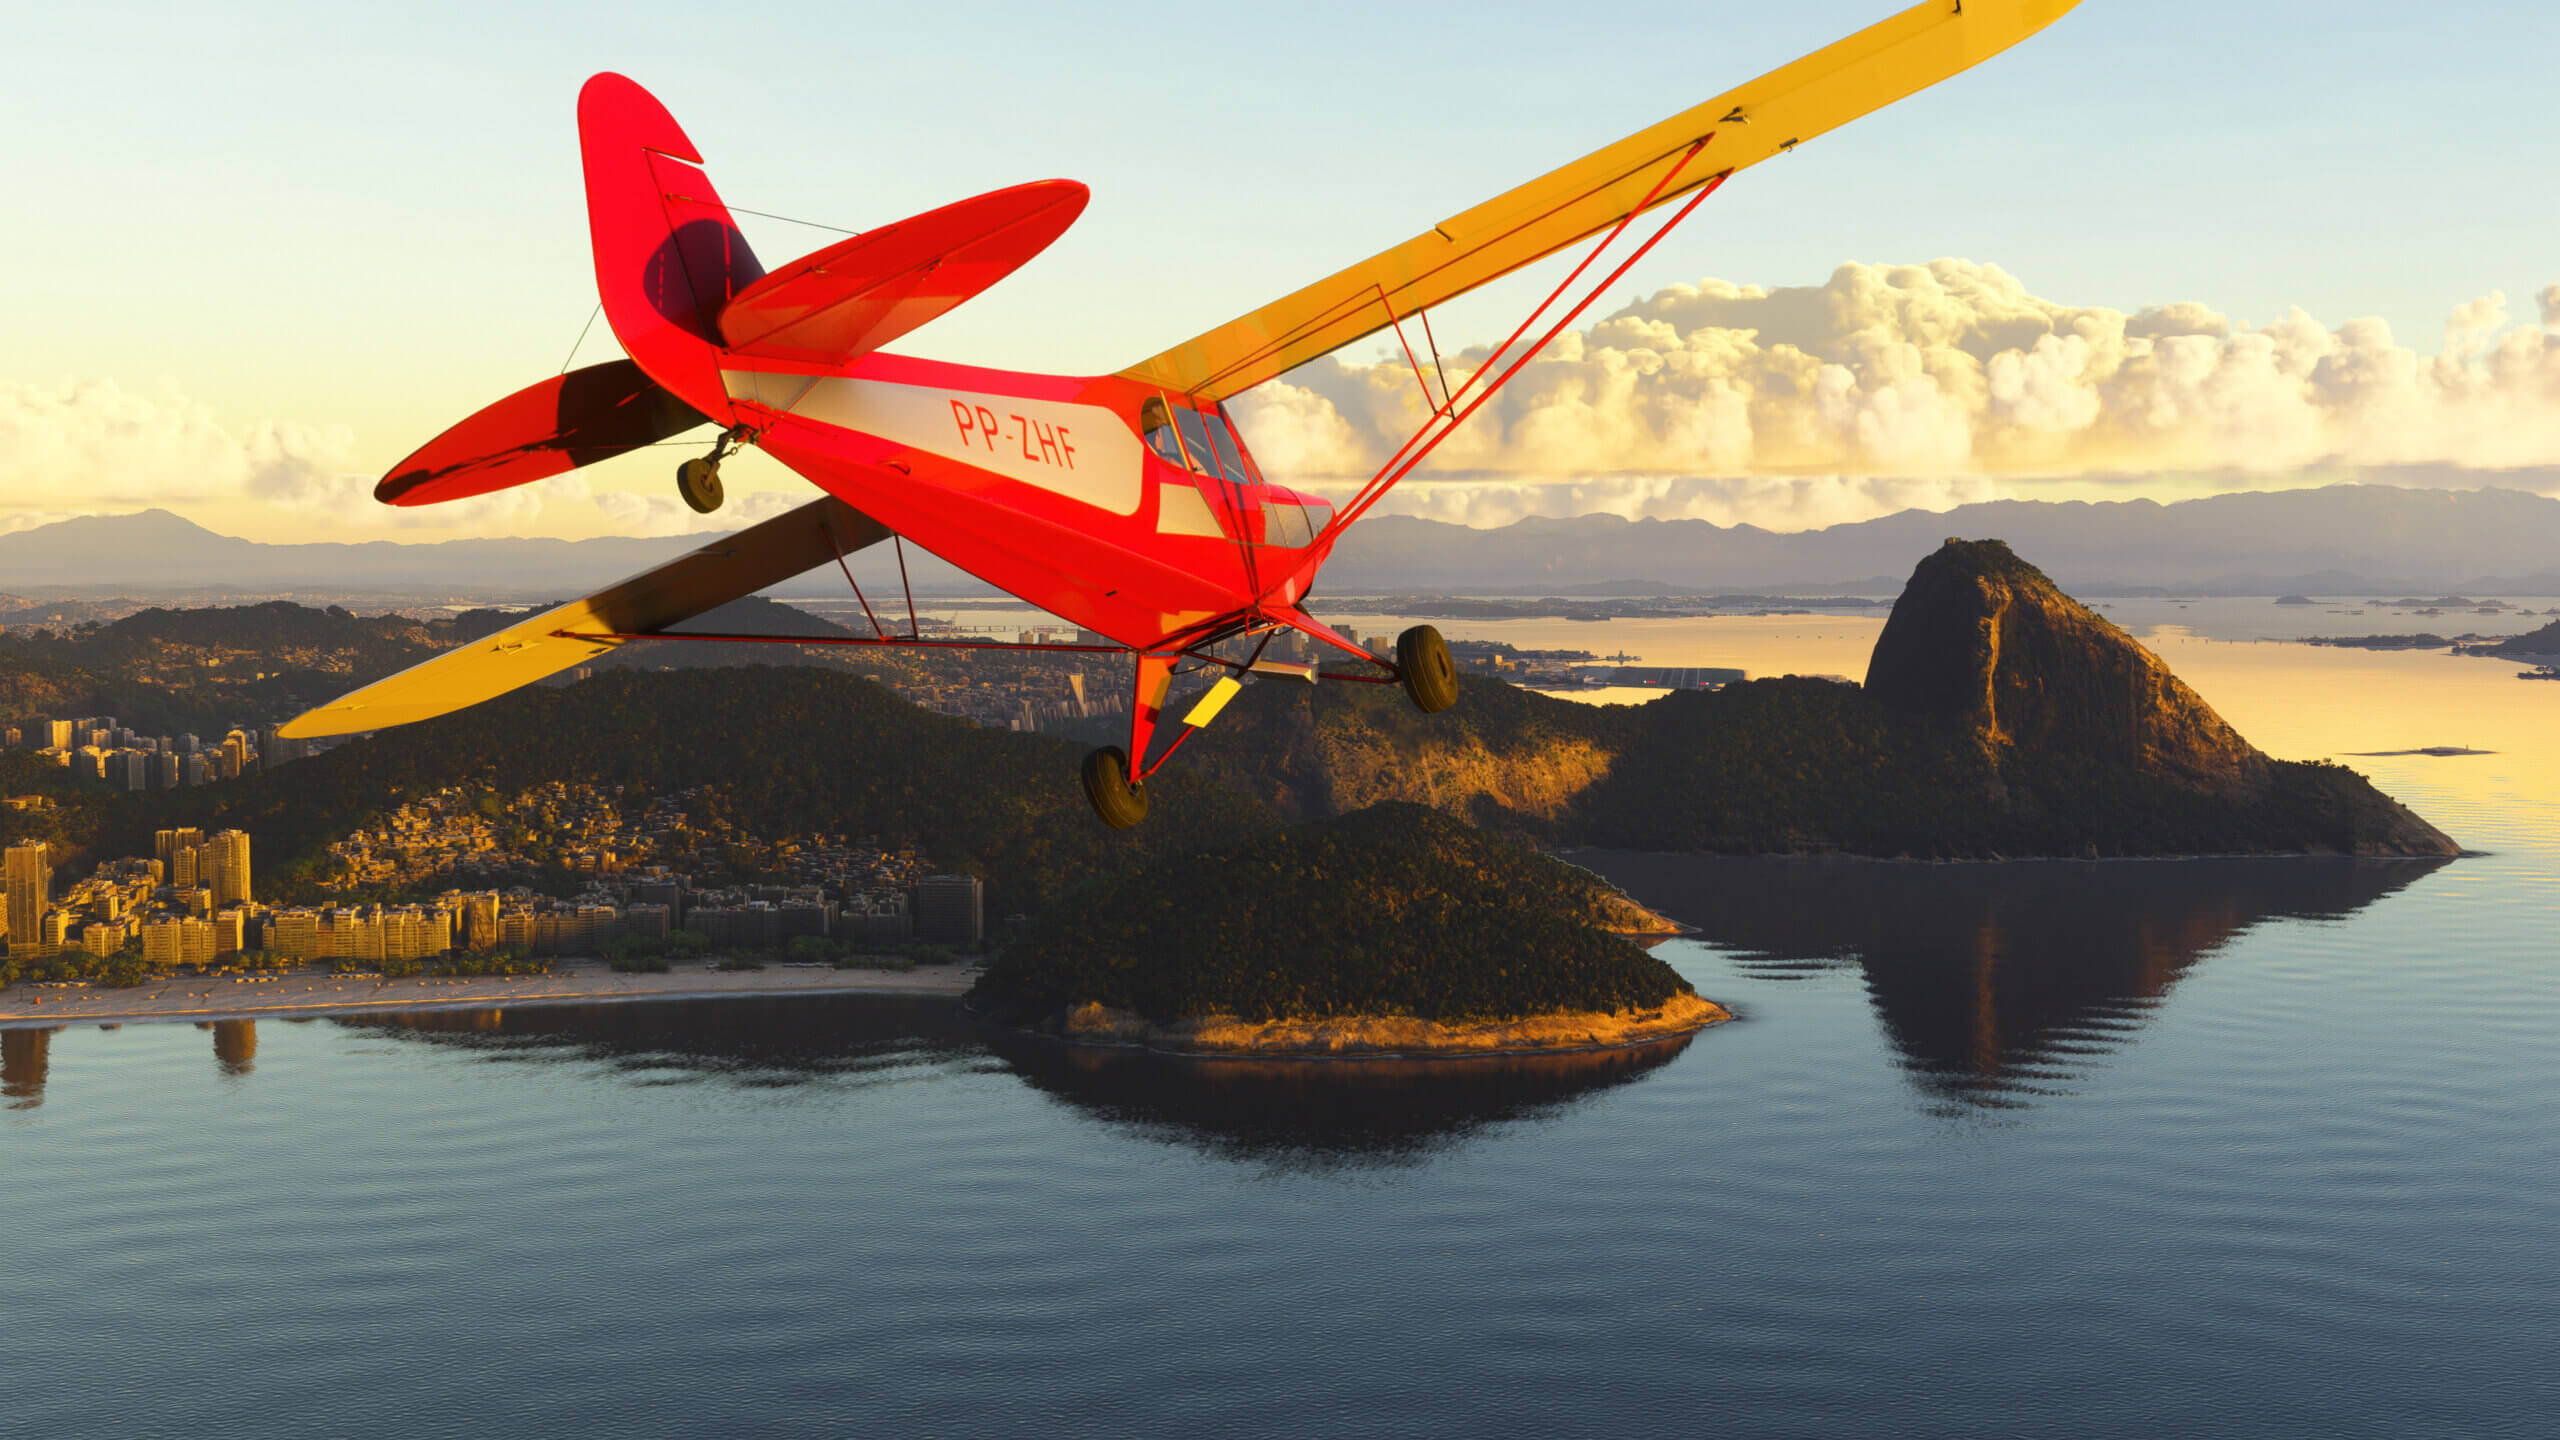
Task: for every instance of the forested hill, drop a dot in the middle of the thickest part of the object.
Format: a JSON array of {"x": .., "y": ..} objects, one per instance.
[
  {"x": 793, "y": 750},
  {"x": 1396, "y": 910},
  {"x": 167, "y": 672},
  {"x": 206, "y": 670}
]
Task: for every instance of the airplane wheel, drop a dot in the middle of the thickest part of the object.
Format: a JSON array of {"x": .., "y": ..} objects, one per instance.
[
  {"x": 1429, "y": 676},
  {"x": 698, "y": 481},
  {"x": 1120, "y": 803}
]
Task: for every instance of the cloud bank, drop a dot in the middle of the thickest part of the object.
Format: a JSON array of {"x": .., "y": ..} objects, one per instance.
[
  {"x": 1930, "y": 385},
  {"x": 93, "y": 448},
  {"x": 1885, "y": 388}
]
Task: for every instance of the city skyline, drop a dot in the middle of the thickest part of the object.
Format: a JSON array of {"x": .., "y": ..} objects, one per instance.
[{"x": 192, "y": 902}]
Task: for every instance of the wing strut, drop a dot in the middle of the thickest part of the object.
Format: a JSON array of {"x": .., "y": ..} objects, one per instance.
[{"x": 1447, "y": 417}]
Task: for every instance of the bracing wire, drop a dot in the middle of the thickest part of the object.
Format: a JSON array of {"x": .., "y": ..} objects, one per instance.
[
  {"x": 582, "y": 336},
  {"x": 789, "y": 220}
]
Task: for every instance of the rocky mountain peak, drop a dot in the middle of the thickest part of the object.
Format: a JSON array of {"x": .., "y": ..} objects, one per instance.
[{"x": 1982, "y": 639}]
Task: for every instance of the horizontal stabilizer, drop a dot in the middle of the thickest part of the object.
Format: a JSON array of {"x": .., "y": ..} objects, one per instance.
[
  {"x": 727, "y": 569},
  {"x": 540, "y": 431},
  {"x": 859, "y": 294}
]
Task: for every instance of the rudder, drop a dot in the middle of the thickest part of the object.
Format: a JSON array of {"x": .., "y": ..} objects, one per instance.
[{"x": 668, "y": 256}]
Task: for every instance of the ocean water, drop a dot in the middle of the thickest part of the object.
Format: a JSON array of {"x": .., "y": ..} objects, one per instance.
[{"x": 2243, "y": 1147}]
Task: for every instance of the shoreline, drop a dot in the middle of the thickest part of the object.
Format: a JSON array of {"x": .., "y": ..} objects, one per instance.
[
  {"x": 1567, "y": 854},
  {"x": 1380, "y": 1037},
  {"x": 316, "y": 995}
]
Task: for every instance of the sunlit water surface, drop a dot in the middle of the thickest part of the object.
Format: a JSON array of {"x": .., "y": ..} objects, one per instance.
[{"x": 2246, "y": 1147}]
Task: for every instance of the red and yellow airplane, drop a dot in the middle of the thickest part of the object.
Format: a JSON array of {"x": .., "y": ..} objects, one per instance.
[{"x": 1124, "y": 503}]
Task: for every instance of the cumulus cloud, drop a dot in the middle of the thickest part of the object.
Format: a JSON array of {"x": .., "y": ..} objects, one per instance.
[
  {"x": 96, "y": 446},
  {"x": 1951, "y": 373},
  {"x": 93, "y": 447},
  {"x": 347, "y": 497}
]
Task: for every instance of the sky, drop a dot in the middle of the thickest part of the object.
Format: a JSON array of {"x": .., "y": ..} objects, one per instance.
[{"x": 261, "y": 251}]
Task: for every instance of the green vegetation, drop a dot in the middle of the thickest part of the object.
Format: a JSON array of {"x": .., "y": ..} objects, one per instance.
[
  {"x": 791, "y": 749},
  {"x": 894, "y": 961},
  {"x": 490, "y": 962},
  {"x": 126, "y": 967},
  {"x": 1394, "y": 910},
  {"x": 462, "y": 964},
  {"x": 846, "y": 955},
  {"x": 205, "y": 670},
  {"x": 1780, "y": 766},
  {"x": 1801, "y": 766},
  {"x": 120, "y": 970}
]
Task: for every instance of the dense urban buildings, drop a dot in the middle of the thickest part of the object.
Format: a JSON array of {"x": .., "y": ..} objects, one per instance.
[
  {"x": 639, "y": 871},
  {"x": 98, "y": 748},
  {"x": 185, "y": 905},
  {"x": 949, "y": 909}
]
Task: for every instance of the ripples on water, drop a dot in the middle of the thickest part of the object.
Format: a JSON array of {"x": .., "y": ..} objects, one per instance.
[{"x": 2217, "y": 1147}]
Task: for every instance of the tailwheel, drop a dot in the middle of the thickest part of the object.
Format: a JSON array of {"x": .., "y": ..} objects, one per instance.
[
  {"x": 698, "y": 481},
  {"x": 1120, "y": 801},
  {"x": 1429, "y": 676}
]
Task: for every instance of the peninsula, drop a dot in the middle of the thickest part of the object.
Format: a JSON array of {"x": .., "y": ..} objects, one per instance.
[{"x": 1393, "y": 930}]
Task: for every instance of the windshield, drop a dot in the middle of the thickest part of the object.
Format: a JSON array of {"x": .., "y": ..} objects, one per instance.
[
  {"x": 1230, "y": 455},
  {"x": 1155, "y": 426},
  {"x": 1226, "y": 432},
  {"x": 1195, "y": 440}
]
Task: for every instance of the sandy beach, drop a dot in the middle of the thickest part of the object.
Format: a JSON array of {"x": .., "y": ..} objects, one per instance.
[{"x": 315, "y": 993}]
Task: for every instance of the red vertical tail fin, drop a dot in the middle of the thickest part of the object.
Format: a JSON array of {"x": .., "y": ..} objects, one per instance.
[{"x": 668, "y": 256}]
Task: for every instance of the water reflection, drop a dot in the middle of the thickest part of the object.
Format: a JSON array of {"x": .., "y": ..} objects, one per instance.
[
  {"x": 25, "y": 1057},
  {"x": 750, "y": 1041},
  {"x": 1325, "y": 1114},
  {"x": 1997, "y": 981},
  {"x": 235, "y": 1045},
  {"x": 1291, "y": 1114}
]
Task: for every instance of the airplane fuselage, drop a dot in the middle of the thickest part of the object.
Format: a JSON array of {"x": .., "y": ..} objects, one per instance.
[{"x": 1127, "y": 510}]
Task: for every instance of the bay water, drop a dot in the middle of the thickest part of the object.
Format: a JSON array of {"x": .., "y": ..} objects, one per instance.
[{"x": 2257, "y": 1147}]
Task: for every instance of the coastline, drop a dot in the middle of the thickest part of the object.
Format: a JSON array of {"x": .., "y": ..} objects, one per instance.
[
  {"x": 1380, "y": 1037},
  {"x": 312, "y": 995}
]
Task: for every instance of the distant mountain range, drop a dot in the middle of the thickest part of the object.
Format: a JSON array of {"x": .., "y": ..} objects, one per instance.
[{"x": 2343, "y": 540}]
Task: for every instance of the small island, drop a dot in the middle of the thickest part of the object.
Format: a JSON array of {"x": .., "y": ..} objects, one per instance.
[{"x": 1394, "y": 930}]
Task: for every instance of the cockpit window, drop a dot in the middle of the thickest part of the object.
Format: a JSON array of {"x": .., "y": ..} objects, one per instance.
[
  {"x": 1230, "y": 454},
  {"x": 1155, "y": 426},
  {"x": 1195, "y": 440},
  {"x": 1226, "y": 436}
]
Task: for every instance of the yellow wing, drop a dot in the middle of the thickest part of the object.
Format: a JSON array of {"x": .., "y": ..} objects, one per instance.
[
  {"x": 727, "y": 569},
  {"x": 1782, "y": 109}
]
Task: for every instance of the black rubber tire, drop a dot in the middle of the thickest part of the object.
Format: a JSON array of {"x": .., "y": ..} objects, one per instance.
[
  {"x": 698, "y": 481},
  {"x": 1430, "y": 677},
  {"x": 1106, "y": 783}
]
